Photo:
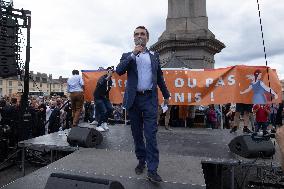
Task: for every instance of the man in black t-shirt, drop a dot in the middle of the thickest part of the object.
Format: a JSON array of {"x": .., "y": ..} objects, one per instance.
[{"x": 101, "y": 97}]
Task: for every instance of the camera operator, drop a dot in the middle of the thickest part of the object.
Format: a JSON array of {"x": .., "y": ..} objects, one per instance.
[{"x": 101, "y": 97}]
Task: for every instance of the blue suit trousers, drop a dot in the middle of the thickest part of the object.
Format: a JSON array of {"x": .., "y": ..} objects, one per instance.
[{"x": 143, "y": 119}]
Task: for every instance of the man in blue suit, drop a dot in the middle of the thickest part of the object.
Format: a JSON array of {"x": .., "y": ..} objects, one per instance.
[{"x": 141, "y": 100}]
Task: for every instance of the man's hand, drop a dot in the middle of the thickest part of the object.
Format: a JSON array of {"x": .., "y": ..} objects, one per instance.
[
  {"x": 138, "y": 49},
  {"x": 166, "y": 102}
]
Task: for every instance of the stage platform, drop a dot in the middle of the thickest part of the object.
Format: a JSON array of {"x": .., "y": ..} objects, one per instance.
[{"x": 181, "y": 153}]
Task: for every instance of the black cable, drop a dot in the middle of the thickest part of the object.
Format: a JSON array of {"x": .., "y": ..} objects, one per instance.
[{"x": 264, "y": 50}]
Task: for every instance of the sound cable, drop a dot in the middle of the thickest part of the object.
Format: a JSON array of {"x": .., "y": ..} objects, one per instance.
[{"x": 264, "y": 51}]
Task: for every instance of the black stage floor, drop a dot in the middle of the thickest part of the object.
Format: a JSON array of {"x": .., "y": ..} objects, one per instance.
[{"x": 181, "y": 153}]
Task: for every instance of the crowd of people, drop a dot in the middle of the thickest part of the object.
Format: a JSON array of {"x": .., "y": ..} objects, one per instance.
[
  {"x": 254, "y": 117},
  {"x": 47, "y": 115}
]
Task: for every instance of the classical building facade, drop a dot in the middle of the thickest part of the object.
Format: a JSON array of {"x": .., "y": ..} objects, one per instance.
[{"x": 38, "y": 82}]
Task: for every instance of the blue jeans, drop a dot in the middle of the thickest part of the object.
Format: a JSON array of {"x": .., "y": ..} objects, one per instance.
[
  {"x": 262, "y": 125},
  {"x": 103, "y": 110}
]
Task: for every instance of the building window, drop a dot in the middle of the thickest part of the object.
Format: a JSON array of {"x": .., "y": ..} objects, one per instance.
[
  {"x": 1, "y": 82},
  {"x": 10, "y": 91},
  {"x": 10, "y": 83},
  {"x": 33, "y": 84},
  {"x": 40, "y": 84},
  {"x": 1, "y": 91},
  {"x": 19, "y": 84}
]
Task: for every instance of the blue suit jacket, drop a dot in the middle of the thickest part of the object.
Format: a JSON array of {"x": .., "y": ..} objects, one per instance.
[{"x": 127, "y": 64}]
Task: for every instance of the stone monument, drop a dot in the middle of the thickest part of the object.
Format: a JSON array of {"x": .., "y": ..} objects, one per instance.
[{"x": 187, "y": 41}]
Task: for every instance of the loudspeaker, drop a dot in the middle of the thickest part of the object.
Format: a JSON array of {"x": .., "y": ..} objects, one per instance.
[
  {"x": 8, "y": 66},
  {"x": 60, "y": 180},
  {"x": 226, "y": 174},
  {"x": 250, "y": 147},
  {"x": 84, "y": 137}
]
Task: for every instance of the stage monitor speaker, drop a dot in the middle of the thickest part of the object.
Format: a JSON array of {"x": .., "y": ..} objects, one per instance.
[
  {"x": 84, "y": 137},
  {"x": 60, "y": 180},
  {"x": 226, "y": 174},
  {"x": 249, "y": 147}
]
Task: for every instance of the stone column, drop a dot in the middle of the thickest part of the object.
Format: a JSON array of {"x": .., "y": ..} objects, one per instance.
[{"x": 187, "y": 36}]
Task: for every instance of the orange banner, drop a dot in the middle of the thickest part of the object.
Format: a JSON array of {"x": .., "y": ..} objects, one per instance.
[{"x": 237, "y": 84}]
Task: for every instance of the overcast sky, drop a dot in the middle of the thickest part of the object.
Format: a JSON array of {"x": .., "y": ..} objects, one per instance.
[{"x": 87, "y": 34}]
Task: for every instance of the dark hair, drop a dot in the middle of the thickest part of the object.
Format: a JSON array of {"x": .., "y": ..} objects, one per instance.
[
  {"x": 256, "y": 73},
  {"x": 14, "y": 100},
  {"x": 144, "y": 28},
  {"x": 75, "y": 72},
  {"x": 110, "y": 68},
  {"x": 2, "y": 103}
]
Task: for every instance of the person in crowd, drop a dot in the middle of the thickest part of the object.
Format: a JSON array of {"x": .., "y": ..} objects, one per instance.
[
  {"x": 54, "y": 118},
  {"x": 47, "y": 115},
  {"x": 245, "y": 110},
  {"x": 226, "y": 113},
  {"x": 273, "y": 111},
  {"x": 261, "y": 117},
  {"x": 68, "y": 111},
  {"x": 141, "y": 100},
  {"x": 41, "y": 118},
  {"x": 212, "y": 117},
  {"x": 14, "y": 122},
  {"x": 279, "y": 115},
  {"x": 33, "y": 110},
  {"x": 101, "y": 97},
  {"x": 75, "y": 86}
]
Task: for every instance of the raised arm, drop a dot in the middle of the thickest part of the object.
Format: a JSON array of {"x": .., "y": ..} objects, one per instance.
[
  {"x": 123, "y": 65},
  {"x": 246, "y": 90}
]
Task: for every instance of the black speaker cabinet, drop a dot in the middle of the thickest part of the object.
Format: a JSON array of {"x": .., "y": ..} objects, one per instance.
[
  {"x": 8, "y": 66},
  {"x": 252, "y": 147},
  {"x": 228, "y": 174},
  {"x": 60, "y": 180},
  {"x": 84, "y": 137}
]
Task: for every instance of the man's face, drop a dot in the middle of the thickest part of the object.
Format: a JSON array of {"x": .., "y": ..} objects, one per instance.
[{"x": 140, "y": 37}]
